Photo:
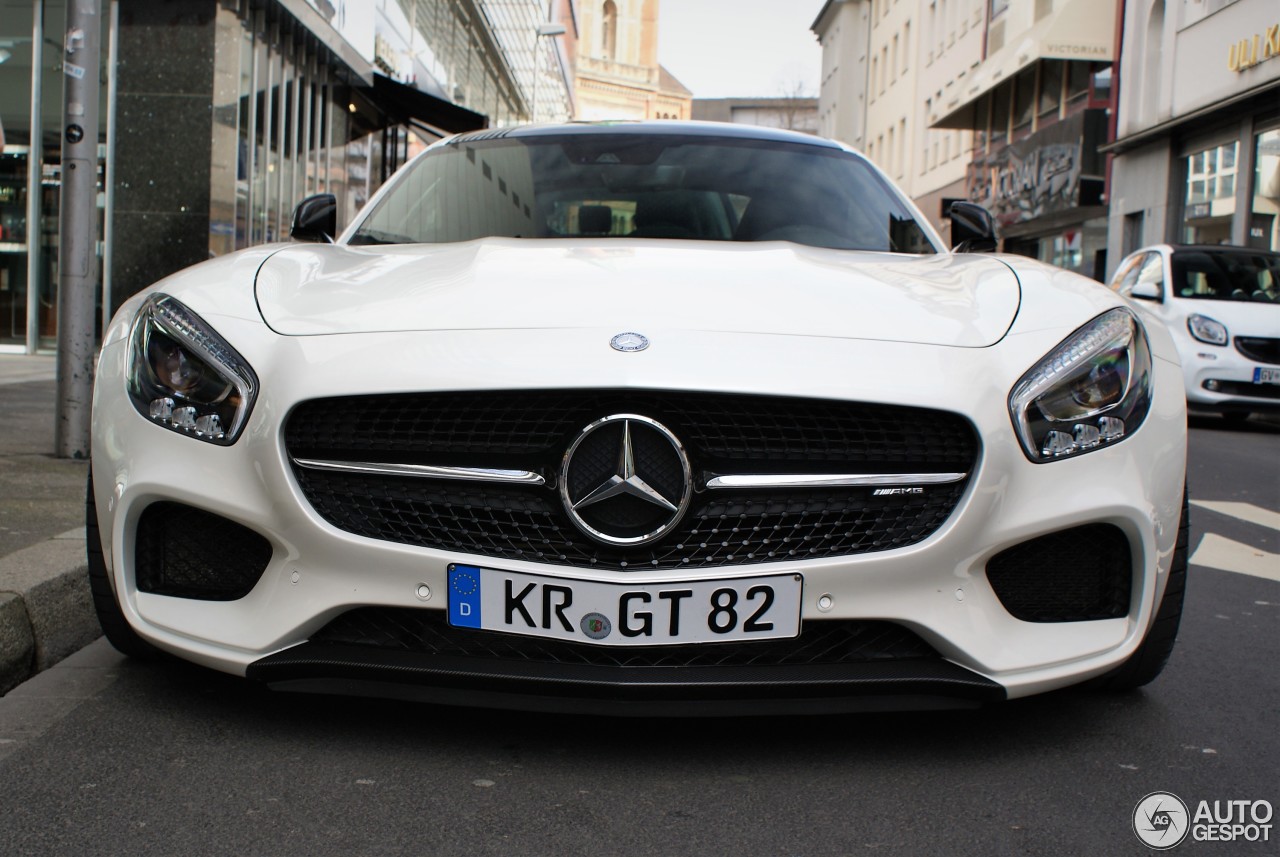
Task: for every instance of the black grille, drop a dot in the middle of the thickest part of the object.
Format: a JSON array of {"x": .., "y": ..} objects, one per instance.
[
  {"x": 1074, "y": 575},
  {"x": 720, "y": 529},
  {"x": 475, "y": 428},
  {"x": 1258, "y": 348},
  {"x": 428, "y": 632},
  {"x": 190, "y": 553},
  {"x": 531, "y": 430}
]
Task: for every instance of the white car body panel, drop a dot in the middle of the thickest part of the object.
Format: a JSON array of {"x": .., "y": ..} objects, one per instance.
[{"x": 505, "y": 284}]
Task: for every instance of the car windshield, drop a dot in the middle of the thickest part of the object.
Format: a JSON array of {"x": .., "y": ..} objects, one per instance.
[
  {"x": 1226, "y": 275},
  {"x": 619, "y": 185}
]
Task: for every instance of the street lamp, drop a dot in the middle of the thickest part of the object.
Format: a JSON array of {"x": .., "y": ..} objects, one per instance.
[{"x": 542, "y": 30}]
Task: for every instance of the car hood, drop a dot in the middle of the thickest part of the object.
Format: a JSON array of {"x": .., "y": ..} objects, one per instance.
[{"x": 622, "y": 285}]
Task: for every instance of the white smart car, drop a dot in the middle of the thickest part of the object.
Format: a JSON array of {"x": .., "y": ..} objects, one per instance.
[
  {"x": 1222, "y": 306},
  {"x": 650, "y": 418}
]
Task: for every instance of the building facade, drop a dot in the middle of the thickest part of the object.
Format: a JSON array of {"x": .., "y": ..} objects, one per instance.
[
  {"x": 843, "y": 28},
  {"x": 887, "y": 68},
  {"x": 618, "y": 75},
  {"x": 951, "y": 41},
  {"x": 1197, "y": 150},
  {"x": 1038, "y": 106},
  {"x": 218, "y": 116}
]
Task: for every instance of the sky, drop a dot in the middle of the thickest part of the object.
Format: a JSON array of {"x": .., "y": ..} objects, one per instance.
[{"x": 747, "y": 48}]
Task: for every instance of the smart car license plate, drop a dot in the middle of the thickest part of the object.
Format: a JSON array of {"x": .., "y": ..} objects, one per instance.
[
  {"x": 625, "y": 614},
  {"x": 1266, "y": 376}
]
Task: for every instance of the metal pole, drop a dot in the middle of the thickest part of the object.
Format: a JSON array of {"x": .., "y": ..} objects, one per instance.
[
  {"x": 109, "y": 210},
  {"x": 35, "y": 192},
  {"x": 78, "y": 228}
]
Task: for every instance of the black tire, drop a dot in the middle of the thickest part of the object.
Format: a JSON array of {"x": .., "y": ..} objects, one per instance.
[
  {"x": 110, "y": 616},
  {"x": 1148, "y": 661}
]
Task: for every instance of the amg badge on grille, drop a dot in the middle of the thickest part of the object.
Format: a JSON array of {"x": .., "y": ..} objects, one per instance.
[{"x": 625, "y": 480}]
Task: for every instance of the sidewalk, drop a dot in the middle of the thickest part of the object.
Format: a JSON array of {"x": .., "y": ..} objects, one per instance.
[{"x": 45, "y": 610}]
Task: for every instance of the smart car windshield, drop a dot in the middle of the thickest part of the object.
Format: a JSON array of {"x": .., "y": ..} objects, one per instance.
[
  {"x": 619, "y": 185},
  {"x": 1226, "y": 275}
]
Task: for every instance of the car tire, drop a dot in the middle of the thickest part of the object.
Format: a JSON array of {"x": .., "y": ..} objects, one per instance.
[
  {"x": 1149, "y": 660},
  {"x": 114, "y": 626}
]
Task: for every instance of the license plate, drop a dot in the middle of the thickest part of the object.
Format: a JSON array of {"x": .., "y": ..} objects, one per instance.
[
  {"x": 1266, "y": 376},
  {"x": 625, "y": 614}
]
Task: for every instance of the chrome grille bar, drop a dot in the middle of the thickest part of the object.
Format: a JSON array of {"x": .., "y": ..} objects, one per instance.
[{"x": 425, "y": 471}]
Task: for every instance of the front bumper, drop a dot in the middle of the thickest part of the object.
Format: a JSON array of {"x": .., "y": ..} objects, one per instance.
[
  {"x": 1219, "y": 380},
  {"x": 937, "y": 589}
]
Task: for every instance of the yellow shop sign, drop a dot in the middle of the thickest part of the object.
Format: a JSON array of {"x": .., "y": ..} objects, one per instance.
[{"x": 1247, "y": 53}]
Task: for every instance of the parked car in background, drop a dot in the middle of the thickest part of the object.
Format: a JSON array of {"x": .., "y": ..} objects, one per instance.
[{"x": 1222, "y": 305}]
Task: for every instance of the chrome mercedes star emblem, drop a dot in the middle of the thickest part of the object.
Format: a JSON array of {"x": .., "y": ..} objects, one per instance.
[
  {"x": 606, "y": 494},
  {"x": 626, "y": 480},
  {"x": 629, "y": 341}
]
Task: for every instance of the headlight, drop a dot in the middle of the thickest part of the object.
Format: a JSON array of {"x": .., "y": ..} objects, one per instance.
[
  {"x": 1207, "y": 330},
  {"x": 185, "y": 377},
  {"x": 1090, "y": 391}
]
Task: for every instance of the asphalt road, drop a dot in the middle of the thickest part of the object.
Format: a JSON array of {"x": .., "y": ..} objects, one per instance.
[{"x": 107, "y": 756}]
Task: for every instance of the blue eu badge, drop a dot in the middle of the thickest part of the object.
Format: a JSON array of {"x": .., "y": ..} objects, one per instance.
[{"x": 464, "y": 596}]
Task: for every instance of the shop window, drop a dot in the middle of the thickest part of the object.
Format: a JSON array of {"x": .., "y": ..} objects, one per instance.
[
  {"x": 1209, "y": 203},
  {"x": 1024, "y": 93},
  {"x": 1264, "y": 222},
  {"x": 1050, "y": 90},
  {"x": 1078, "y": 78},
  {"x": 1100, "y": 84},
  {"x": 1000, "y": 115}
]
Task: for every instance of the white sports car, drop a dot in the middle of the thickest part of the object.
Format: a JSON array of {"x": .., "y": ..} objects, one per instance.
[{"x": 653, "y": 418}]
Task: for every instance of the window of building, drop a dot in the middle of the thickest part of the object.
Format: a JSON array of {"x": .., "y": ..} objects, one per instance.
[
  {"x": 998, "y": 7},
  {"x": 1209, "y": 202},
  {"x": 609, "y": 34},
  {"x": 1264, "y": 217},
  {"x": 1000, "y": 100},
  {"x": 906, "y": 47},
  {"x": 1078, "y": 75},
  {"x": 1050, "y": 90},
  {"x": 1024, "y": 93}
]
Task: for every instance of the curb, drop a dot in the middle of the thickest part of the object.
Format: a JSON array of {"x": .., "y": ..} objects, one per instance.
[{"x": 46, "y": 611}]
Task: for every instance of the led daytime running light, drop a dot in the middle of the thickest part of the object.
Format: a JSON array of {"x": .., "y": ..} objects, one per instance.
[
  {"x": 204, "y": 356},
  {"x": 1109, "y": 357}
]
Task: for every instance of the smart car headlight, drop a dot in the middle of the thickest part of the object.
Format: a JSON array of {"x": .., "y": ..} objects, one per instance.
[
  {"x": 1207, "y": 329},
  {"x": 185, "y": 377},
  {"x": 1090, "y": 391}
]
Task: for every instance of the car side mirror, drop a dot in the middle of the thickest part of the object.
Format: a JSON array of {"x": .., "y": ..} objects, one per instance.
[
  {"x": 1146, "y": 291},
  {"x": 973, "y": 230},
  {"x": 315, "y": 219}
]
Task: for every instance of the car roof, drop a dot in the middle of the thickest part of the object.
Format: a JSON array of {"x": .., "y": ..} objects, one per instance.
[{"x": 656, "y": 128}]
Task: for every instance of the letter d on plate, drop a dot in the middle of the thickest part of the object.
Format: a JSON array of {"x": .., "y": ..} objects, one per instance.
[{"x": 464, "y": 596}]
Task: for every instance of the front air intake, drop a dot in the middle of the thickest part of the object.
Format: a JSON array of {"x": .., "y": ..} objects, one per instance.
[
  {"x": 1075, "y": 575},
  {"x": 189, "y": 553}
]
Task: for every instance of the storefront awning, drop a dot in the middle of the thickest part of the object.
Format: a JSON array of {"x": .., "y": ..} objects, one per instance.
[
  {"x": 401, "y": 104},
  {"x": 1075, "y": 30}
]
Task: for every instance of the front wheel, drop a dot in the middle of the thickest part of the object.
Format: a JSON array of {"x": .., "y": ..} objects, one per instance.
[
  {"x": 110, "y": 616},
  {"x": 1148, "y": 661}
]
